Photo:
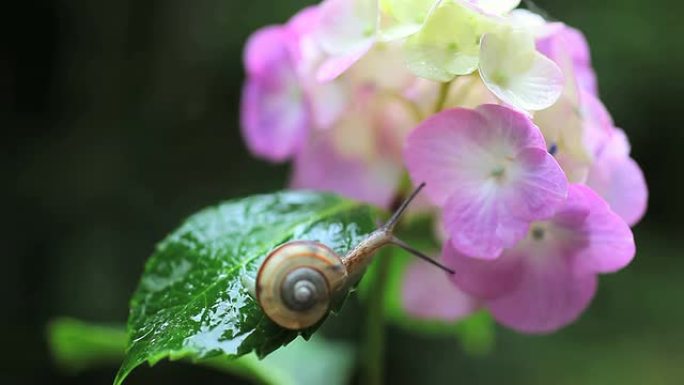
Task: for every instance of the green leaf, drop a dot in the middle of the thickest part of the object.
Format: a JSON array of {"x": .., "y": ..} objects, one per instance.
[
  {"x": 475, "y": 333},
  {"x": 191, "y": 302},
  {"x": 78, "y": 345}
]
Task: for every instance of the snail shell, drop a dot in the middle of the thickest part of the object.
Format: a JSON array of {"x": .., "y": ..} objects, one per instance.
[{"x": 297, "y": 281}]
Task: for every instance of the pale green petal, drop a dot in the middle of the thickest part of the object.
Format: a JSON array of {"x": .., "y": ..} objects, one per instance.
[
  {"x": 403, "y": 18},
  {"x": 408, "y": 11},
  {"x": 393, "y": 30},
  {"x": 347, "y": 25},
  {"x": 516, "y": 73},
  {"x": 448, "y": 44}
]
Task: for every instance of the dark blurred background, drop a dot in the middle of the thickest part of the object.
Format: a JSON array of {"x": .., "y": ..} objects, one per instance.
[{"x": 120, "y": 118}]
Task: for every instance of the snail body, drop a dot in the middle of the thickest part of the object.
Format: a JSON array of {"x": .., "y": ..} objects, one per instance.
[{"x": 298, "y": 280}]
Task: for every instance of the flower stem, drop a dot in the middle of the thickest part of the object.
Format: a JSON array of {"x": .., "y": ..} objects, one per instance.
[
  {"x": 442, "y": 97},
  {"x": 374, "y": 359}
]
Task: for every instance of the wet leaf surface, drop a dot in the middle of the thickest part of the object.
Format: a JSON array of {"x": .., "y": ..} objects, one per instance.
[{"x": 191, "y": 301}]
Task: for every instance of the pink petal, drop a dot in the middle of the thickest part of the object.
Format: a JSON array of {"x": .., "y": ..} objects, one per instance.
[
  {"x": 609, "y": 243},
  {"x": 275, "y": 118},
  {"x": 569, "y": 48},
  {"x": 598, "y": 124},
  {"x": 301, "y": 28},
  {"x": 446, "y": 148},
  {"x": 428, "y": 293},
  {"x": 455, "y": 153},
  {"x": 548, "y": 279},
  {"x": 265, "y": 48},
  {"x": 484, "y": 279},
  {"x": 540, "y": 189},
  {"x": 548, "y": 296},
  {"x": 515, "y": 127},
  {"x": 480, "y": 223},
  {"x": 433, "y": 150},
  {"x": 623, "y": 186},
  {"x": 274, "y": 113},
  {"x": 321, "y": 167},
  {"x": 274, "y": 124},
  {"x": 304, "y": 22},
  {"x": 619, "y": 180}
]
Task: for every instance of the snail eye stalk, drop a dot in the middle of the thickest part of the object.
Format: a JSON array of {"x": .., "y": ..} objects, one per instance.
[
  {"x": 398, "y": 242},
  {"x": 392, "y": 223}
]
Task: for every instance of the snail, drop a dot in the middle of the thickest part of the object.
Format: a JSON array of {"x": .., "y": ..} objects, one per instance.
[{"x": 298, "y": 280}]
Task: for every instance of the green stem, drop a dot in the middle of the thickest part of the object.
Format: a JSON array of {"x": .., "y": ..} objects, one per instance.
[
  {"x": 375, "y": 324},
  {"x": 442, "y": 97}
]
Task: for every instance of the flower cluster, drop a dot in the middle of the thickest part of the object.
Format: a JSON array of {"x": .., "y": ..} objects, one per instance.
[{"x": 495, "y": 108}]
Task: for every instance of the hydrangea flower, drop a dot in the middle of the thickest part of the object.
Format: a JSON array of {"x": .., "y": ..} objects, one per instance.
[
  {"x": 489, "y": 171},
  {"x": 547, "y": 280},
  {"x": 494, "y": 107}
]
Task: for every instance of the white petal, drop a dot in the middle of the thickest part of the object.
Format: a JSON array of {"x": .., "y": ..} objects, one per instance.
[
  {"x": 495, "y": 7},
  {"x": 534, "y": 23},
  {"x": 403, "y": 18}
]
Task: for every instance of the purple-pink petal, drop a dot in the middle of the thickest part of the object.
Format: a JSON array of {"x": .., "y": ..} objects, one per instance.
[
  {"x": 548, "y": 296},
  {"x": 549, "y": 278},
  {"x": 265, "y": 48},
  {"x": 321, "y": 166},
  {"x": 607, "y": 239},
  {"x": 541, "y": 188},
  {"x": 300, "y": 28},
  {"x": 490, "y": 171},
  {"x": 619, "y": 179},
  {"x": 433, "y": 151},
  {"x": 515, "y": 128},
  {"x": 484, "y": 279},
  {"x": 274, "y": 127},
  {"x": 623, "y": 186},
  {"x": 480, "y": 223},
  {"x": 568, "y": 46},
  {"x": 427, "y": 293},
  {"x": 274, "y": 113}
]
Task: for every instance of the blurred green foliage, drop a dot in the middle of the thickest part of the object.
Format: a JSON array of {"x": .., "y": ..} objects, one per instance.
[
  {"x": 77, "y": 346},
  {"x": 121, "y": 118}
]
